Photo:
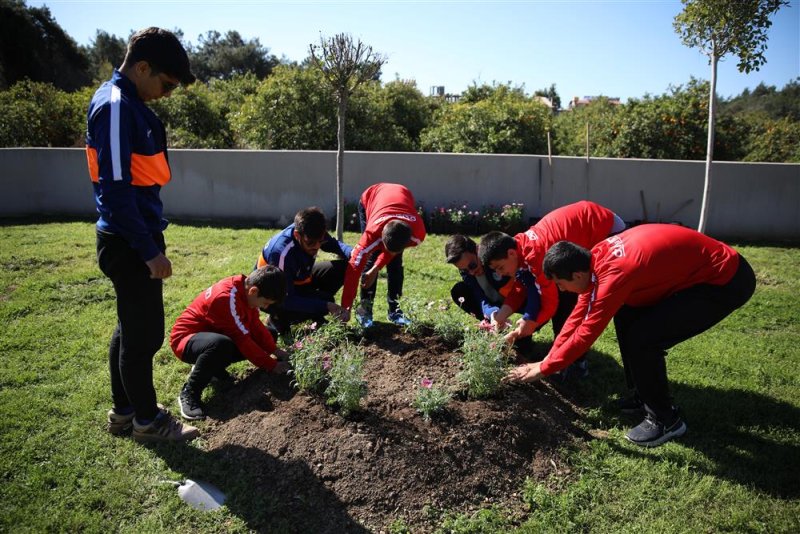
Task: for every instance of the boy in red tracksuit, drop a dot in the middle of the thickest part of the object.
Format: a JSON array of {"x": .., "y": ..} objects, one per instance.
[
  {"x": 662, "y": 284},
  {"x": 222, "y": 326},
  {"x": 584, "y": 222},
  {"x": 389, "y": 224}
]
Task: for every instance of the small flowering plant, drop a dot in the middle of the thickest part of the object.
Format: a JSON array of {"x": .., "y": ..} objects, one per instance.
[
  {"x": 485, "y": 362},
  {"x": 418, "y": 314},
  {"x": 307, "y": 364},
  {"x": 430, "y": 399},
  {"x": 449, "y": 326},
  {"x": 312, "y": 352},
  {"x": 512, "y": 215},
  {"x": 346, "y": 386},
  {"x": 461, "y": 218}
]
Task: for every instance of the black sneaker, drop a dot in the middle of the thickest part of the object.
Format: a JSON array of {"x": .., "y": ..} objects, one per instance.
[
  {"x": 191, "y": 407},
  {"x": 630, "y": 405},
  {"x": 652, "y": 433}
]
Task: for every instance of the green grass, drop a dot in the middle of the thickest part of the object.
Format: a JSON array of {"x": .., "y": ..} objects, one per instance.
[{"x": 736, "y": 470}]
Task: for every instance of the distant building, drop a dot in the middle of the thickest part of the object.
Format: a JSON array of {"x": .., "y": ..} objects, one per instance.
[
  {"x": 438, "y": 91},
  {"x": 577, "y": 102},
  {"x": 544, "y": 100}
]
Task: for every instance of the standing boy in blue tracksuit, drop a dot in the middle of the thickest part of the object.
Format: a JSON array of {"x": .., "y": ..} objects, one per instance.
[{"x": 126, "y": 150}]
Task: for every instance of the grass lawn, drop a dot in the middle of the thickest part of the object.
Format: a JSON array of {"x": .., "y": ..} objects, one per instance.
[{"x": 737, "y": 469}]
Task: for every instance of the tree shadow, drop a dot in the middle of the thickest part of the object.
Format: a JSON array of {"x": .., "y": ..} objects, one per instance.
[
  {"x": 747, "y": 437},
  {"x": 267, "y": 493}
]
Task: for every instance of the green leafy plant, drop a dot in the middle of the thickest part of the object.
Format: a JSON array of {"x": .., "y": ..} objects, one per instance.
[
  {"x": 430, "y": 399},
  {"x": 448, "y": 326},
  {"x": 418, "y": 314},
  {"x": 485, "y": 363},
  {"x": 346, "y": 385},
  {"x": 313, "y": 347},
  {"x": 308, "y": 363},
  {"x": 513, "y": 216}
]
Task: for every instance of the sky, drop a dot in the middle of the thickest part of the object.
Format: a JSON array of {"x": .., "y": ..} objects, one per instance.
[{"x": 616, "y": 48}]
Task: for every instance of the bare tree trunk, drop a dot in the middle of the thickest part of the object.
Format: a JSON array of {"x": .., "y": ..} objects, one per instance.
[
  {"x": 712, "y": 112},
  {"x": 340, "y": 169}
]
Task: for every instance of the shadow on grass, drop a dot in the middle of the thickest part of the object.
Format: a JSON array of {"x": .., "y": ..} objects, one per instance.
[
  {"x": 289, "y": 499},
  {"x": 747, "y": 437}
]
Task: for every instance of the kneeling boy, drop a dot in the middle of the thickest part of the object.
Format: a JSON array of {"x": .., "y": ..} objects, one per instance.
[{"x": 222, "y": 326}]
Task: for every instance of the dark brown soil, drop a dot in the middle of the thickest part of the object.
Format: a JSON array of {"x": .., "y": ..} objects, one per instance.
[{"x": 361, "y": 473}]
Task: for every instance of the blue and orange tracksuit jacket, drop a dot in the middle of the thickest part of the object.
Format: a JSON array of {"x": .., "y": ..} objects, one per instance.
[
  {"x": 126, "y": 149},
  {"x": 284, "y": 252}
]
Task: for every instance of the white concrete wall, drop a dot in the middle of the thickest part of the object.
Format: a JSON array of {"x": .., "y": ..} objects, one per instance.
[{"x": 749, "y": 200}]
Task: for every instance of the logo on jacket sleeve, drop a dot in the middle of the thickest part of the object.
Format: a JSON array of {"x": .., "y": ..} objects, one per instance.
[{"x": 617, "y": 246}]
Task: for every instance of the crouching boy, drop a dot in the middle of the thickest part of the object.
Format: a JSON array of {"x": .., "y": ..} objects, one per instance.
[{"x": 222, "y": 326}]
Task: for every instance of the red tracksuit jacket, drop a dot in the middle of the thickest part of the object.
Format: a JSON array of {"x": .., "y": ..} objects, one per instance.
[
  {"x": 638, "y": 267},
  {"x": 583, "y": 223},
  {"x": 223, "y": 309},
  {"x": 382, "y": 203}
]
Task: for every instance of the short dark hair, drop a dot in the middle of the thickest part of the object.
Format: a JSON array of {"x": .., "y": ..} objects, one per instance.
[
  {"x": 310, "y": 222},
  {"x": 395, "y": 236},
  {"x": 495, "y": 246},
  {"x": 457, "y": 245},
  {"x": 163, "y": 51},
  {"x": 564, "y": 259},
  {"x": 270, "y": 281}
]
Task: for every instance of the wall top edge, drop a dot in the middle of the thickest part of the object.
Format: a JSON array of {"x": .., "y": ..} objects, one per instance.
[{"x": 416, "y": 154}]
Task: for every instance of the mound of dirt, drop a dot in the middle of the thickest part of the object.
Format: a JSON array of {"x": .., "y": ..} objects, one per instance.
[{"x": 336, "y": 474}]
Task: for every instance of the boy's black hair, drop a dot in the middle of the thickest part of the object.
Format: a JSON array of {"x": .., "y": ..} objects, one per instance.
[
  {"x": 495, "y": 246},
  {"x": 457, "y": 245},
  {"x": 310, "y": 222},
  {"x": 163, "y": 51},
  {"x": 270, "y": 281},
  {"x": 564, "y": 259},
  {"x": 395, "y": 236}
]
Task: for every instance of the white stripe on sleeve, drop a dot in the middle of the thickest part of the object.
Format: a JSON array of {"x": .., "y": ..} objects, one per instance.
[
  {"x": 236, "y": 319},
  {"x": 116, "y": 160},
  {"x": 364, "y": 251},
  {"x": 282, "y": 259}
]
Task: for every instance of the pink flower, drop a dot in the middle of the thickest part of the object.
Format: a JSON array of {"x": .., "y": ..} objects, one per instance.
[
  {"x": 313, "y": 326},
  {"x": 461, "y": 300},
  {"x": 492, "y": 345},
  {"x": 485, "y": 326},
  {"x": 427, "y": 383},
  {"x": 326, "y": 362},
  {"x": 298, "y": 345}
]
